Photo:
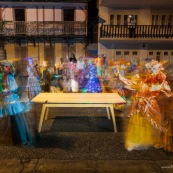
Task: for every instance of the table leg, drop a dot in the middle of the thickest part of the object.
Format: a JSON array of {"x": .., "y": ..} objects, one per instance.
[
  {"x": 46, "y": 114},
  {"x": 41, "y": 118},
  {"x": 113, "y": 118},
  {"x": 108, "y": 113}
]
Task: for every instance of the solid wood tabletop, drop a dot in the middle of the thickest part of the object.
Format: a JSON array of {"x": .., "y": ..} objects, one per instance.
[{"x": 78, "y": 98}]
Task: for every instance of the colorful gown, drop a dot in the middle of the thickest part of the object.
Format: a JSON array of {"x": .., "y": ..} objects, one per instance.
[
  {"x": 146, "y": 127},
  {"x": 14, "y": 108},
  {"x": 33, "y": 84},
  {"x": 82, "y": 78},
  {"x": 93, "y": 83}
]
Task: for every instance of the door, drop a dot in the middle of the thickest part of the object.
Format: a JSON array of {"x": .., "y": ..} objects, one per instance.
[
  {"x": 49, "y": 56},
  {"x": 19, "y": 15},
  {"x": 68, "y": 14},
  {"x": 68, "y": 21}
]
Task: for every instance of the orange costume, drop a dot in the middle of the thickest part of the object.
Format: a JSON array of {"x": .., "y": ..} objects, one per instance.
[{"x": 146, "y": 127}]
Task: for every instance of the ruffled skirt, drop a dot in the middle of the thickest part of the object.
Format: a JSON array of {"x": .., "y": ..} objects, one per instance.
[
  {"x": 141, "y": 134},
  {"x": 13, "y": 105}
]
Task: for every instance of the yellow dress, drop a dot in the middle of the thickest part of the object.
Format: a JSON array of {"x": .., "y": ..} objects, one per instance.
[{"x": 146, "y": 127}]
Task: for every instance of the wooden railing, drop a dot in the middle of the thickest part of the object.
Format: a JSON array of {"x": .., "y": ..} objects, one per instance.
[
  {"x": 43, "y": 28},
  {"x": 140, "y": 31}
]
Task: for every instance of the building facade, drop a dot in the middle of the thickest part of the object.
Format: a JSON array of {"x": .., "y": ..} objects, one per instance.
[
  {"x": 136, "y": 30},
  {"x": 42, "y": 29}
]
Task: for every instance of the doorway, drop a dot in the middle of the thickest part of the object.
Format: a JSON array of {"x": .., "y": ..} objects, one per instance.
[
  {"x": 68, "y": 21},
  {"x": 20, "y": 26},
  {"x": 68, "y": 14},
  {"x": 49, "y": 55}
]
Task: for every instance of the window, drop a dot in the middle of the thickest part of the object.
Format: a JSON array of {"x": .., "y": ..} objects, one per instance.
[
  {"x": 155, "y": 19},
  {"x": 165, "y": 53},
  {"x": 135, "y": 59},
  {"x": 136, "y": 19},
  {"x": 126, "y": 53},
  {"x": 158, "y": 56},
  {"x": 170, "y": 20},
  {"x": 151, "y": 53},
  {"x": 127, "y": 56},
  {"x": 68, "y": 14},
  {"x": 163, "y": 20},
  {"x": 135, "y": 53},
  {"x": 118, "y": 53},
  {"x": 49, "y": 55},
  {"x": 118, "y": 19},
  {"x": 165, "y": 57},
  {"x": 126, "y": 19},
  {"x": 111, "y": 19},
  {"x": 19, "y": 14}
]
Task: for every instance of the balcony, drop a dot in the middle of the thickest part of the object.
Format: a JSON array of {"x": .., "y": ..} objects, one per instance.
[
  {"x": 140, "y": 31},
  {"x": 71, "y": 1},
  {"x": 43, "y": 29}
]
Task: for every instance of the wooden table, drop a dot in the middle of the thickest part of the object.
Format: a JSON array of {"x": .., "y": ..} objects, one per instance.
[{"x": 77, "y": 100}]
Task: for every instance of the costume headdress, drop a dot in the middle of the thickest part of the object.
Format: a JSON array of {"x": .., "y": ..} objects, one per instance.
[
  {"x": 6, "y": 62},
  {"x": 154, "y": 65},
  {"x": 29, "y": 59}
]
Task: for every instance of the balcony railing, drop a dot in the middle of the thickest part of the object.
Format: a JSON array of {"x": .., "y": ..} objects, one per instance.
[
  {"x": 71, "y": 1},
  {"x": 61, "y": 29},
  {"x": 139, "y": 31}
]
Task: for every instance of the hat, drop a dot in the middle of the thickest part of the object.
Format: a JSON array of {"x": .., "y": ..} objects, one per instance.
[
  {"x": 6, "y": 62},
  {"x": 154, "y": 65}
]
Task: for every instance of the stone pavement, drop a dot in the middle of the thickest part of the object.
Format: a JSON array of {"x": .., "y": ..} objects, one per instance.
[
  {"x": 78, "y": 140},
  {"x": 85, "y": 166}
]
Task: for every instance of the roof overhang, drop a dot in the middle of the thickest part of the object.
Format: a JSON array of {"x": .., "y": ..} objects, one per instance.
[{"x": 160, "y": 4}]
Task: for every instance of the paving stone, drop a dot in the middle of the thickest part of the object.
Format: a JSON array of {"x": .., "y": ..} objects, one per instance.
[{"x": 10, "y": 166}]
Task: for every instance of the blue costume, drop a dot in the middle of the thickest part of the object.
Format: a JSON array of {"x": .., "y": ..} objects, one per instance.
[
  {"x": 93, "y": 83},
  {"x": 11, "y": 106}
]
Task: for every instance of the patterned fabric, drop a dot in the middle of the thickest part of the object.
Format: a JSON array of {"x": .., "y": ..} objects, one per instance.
[
  {"x": 33, "y": 87},
  {"x": 147, "y": 127},
  {"x": 93, "y": 83}
]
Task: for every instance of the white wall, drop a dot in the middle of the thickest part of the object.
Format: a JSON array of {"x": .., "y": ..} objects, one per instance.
[
  {"x": 31, "y": 14},
  {"x": 40, "y": 14},
  {"x": 104, "y": 14},
  {"x": 80, "y": 15},
  {"x": 143, "y": 54},
  {"x": 102, "y": 49},
  {"x": 58, "y": 15},
  {"x": 7, "y": 14},
  {"x": 144, "y": 17},
  {"x": 48, "y": 14}
]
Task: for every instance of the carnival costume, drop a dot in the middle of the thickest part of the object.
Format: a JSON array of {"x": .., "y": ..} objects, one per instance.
[
  {"x": 93, "y": 83},
  {"x": 3, "y": 112},
  {"x": 12, "y": 106},
  {"x": 146, "y": 127},
  {"x": 33, "y": 84}
]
